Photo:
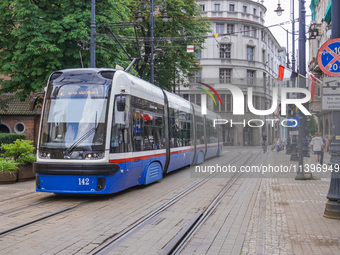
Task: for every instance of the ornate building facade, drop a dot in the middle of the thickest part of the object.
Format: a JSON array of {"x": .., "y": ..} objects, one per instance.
[
  {"x": 321, "y": 21},
  {"x": 241, "y": 52}
]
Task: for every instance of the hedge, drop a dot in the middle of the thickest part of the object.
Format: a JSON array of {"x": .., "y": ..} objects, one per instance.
[{"x": 6, "y": 138}]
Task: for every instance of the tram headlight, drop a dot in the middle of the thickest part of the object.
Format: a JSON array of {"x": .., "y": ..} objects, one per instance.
[
  {"x": 45, "y": 155},
  {"x": 94, "y": 155}
]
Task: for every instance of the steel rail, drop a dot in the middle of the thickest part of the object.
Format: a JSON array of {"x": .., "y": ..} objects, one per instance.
[{"x": 111, "y": 242}]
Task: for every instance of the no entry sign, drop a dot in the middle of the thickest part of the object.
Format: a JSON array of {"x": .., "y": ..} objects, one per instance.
[{"x": 329, "y": 57}]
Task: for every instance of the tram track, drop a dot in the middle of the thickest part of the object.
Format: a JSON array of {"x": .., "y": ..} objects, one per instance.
[
  {"x": 50, "y": 200},
  {"x": 40, "y": 219},
  {"x": 111, "y": 242},
  {"x": 34, "y": 194},
  {"x": 123, "y": 234},
  {"x": 46, "y": 201},
  {"x": 180, "y": 241}
]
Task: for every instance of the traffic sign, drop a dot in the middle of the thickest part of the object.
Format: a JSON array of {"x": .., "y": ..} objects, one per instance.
[
  {"x": 331, "y": 94},
  {"x": 329, "y": 57},
  {"x": 331, "y": 86}
]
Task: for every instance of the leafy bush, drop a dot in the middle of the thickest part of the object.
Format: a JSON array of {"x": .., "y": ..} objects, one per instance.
[
  {"x": 27, "y": 159},
  {"x": 6, "y": 138},
  {"x": 8, "y": 165},
  {"x": 18, "y": 150}
]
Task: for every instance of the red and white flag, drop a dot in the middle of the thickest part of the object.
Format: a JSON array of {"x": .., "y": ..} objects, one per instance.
[
  {"x": 286, "y": 73},
  {"x": 312, "y": 86},
  {"x": 190, "y": 48}
]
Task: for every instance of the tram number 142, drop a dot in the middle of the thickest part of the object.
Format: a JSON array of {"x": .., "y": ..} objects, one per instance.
[{"x": 83, "y": 181}]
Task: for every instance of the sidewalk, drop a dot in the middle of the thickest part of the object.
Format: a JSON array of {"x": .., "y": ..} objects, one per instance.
[{"x": 291, "y": 214}]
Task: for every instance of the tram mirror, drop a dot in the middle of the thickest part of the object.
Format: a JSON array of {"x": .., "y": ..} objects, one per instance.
[{"x": 121, "y": 104}]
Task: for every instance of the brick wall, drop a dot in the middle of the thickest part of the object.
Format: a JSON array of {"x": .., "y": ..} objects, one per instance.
[{"x": 31, "y": 125}]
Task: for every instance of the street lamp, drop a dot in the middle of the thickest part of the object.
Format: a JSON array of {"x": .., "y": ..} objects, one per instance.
[
  {"x": 279, "y": 10},
  {"x": 302, "y": 141},
  {"x": 152, "y": 25},
  {"x": 291, "y": 146}
]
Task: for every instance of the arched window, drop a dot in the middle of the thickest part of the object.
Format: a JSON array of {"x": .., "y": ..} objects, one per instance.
[{"x": 4, "y": 128}]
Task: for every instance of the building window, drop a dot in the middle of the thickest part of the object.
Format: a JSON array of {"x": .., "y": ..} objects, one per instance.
[
  {"x": 19, "y": 127},
  {"x": 246, "y": 30},
  {"x": 186, "y": 96},
  {"x": 272, "y": 63},
  {"x": 231, "y": 7},
  {"x": 225, "y": 75},
  {"x": 230, "y": 28},
  {"x": 4, "y": 128},
  {"x": 228, "y": 103},
  {"x": 225, "y": 50},
  {"x": 198, "y": 99},
  {"x": 264, "y": 57},
  {"x": 244, "y": 8},
  {"x": 195, "y": 98},
  {"x": 263, "y": 36},
  {"x": 217, "y": 7},
  {"x": 254, "y": 11},
  {"x": 253, "y": 32},
  {"x": 250, "y": 53},
  {"x": 268, "y": 59},
  {"x": 256, "y": 102},
  {"x": 197, "y": 77},
  {"x": 220, "y": 28},
  {"x": 192, "y": 98},
  {"x": 216, "y": 107},
  {"x": 250, "y": 77},
  {"x": 202, "y": 8}
]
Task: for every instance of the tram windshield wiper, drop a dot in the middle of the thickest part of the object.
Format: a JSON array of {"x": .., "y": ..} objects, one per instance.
[{"x": 69, "y": 150}]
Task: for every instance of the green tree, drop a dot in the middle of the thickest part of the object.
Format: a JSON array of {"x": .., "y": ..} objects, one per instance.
[
  {"x": 38, "y": 37},
  {"x": 312, "y": 125},
  {"x": 184, "y": 27}
]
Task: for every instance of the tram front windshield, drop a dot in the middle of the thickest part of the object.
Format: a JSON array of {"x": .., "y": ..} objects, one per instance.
[{"x": 74, "y": 121}]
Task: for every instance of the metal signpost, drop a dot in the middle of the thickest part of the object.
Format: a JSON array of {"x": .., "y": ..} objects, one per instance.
[{"x": 329, "y": 62}]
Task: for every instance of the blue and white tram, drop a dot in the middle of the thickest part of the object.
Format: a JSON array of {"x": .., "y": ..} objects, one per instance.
[{"x": 105, "y": 130}]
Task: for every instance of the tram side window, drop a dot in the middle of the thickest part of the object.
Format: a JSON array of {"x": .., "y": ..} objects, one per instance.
[
  {"x": 173, "y": 128},
  {"x": 120, "y": 134},
  {"x": 199, "y": 130},
  {"x": 184, "y": 129},
  {"x": 137, "y": 124},
  {"x": 211, "y": 132},
  {"x": 148, "y": 125},
  {"x": 152, "y": 131},
  {"x": 179, "y": 122}
]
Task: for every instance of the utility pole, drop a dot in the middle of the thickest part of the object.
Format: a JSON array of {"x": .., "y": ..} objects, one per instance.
[
  {"x": 302, "y": 84},
  {"x": 293, "y": 155},
  {"x": 332, "y": 209},
  {"x": 152, "y": 75},
  {"x": 93, "y": 35}
]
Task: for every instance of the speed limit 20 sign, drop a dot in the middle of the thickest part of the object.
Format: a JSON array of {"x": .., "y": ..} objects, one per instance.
[{"x": 329, "y": 57}]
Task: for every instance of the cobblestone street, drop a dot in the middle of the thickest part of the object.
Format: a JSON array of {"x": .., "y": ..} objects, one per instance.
[
  {"x": 260, "y": 214},
  {"x": 288, "y": 216}
]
